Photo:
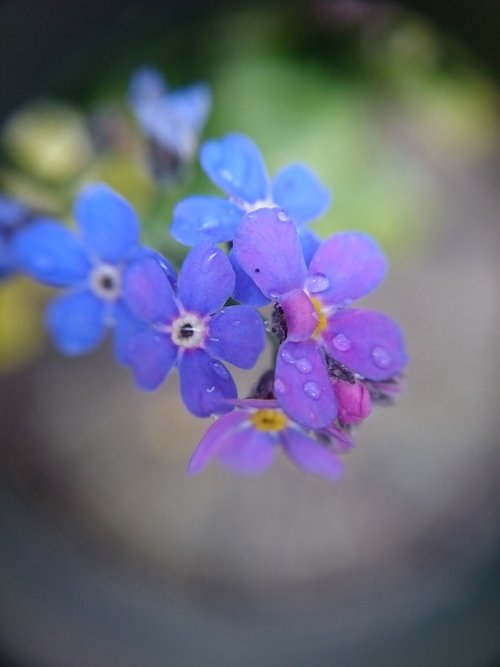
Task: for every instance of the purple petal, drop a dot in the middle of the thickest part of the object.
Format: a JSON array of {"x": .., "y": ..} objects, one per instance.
[
  {"x": 202, "y": 219},
  {"x": 237, "y": 335},
  {"x": 245, "y": 290},
  {"x": 302, "y": 386},
  {"x": 147, "y": 291},
  {"x": 50, "y": 253},
  {"x": 297, "y": 190},
  {"x": 109, "y": 224},
  {"x": 215, "y": 438},
  {"x": 371, "y": 343},
  {"x": 205, "y": 384},
  {"x": 341, "y": 441},
  {"x": 301, "y": 316},
  {"x": 206, "y": 279},
  {"x": 309, "y": 242},
  {"x": 248, "y": 452},
  {"x": 150, "y": 354},
  {"x": 310, "y": 455},
  {"x": 235, "y": 164},
  {"x": 76, "y": 322},
  {"x": 267, "y": 247},
  {"x": 346, "y": 267}
]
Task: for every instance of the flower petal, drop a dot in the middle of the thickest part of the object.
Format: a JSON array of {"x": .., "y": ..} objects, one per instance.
[
  {"x": 214, "y": 439},
  {"x": 205, "y": 384},
  {"x": 248, "y": 452},
  {"x": 76, "y": 321},
  {"x": 351, "y": 265},
  {"x": 300, "y": 314},
  {"x": 267, "y": 247},
  {"x": 148, "y": 292},
  {"x": 245, "y": 290},
  {"x": 235, "y": 164},
  {"x": 237, "y": 335},
  {"x": 150, "y": 354},
  {"x": 201, "y": 219},
  {"x": 108, "y": 222},
  {"x": 309, "y": 242},
  {"x": 50, "y": 253},
  {"x": 302, "y": 386},
  {"x": 371, "y": 343},
  {"x": 311, "y": 456},
  {"x": 192, "y": 103},
  {"x": 297, "y": 190},
  {"x": 206, "y": 279}
]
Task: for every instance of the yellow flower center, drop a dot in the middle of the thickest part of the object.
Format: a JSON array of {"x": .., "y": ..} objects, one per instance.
[
  {"x": 269, "y": 420},
  {"x": 321, "y": 316}
]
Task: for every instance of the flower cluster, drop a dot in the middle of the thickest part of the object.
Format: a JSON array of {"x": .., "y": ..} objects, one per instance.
[{"x": 331, "y": 361}]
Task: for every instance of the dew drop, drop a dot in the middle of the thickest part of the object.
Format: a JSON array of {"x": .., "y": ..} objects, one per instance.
[
  {"x": 226, "y": 175},
  {"x": 317, "y": 282},
  {"x": 236, "y": 323},
  {"x": 281, "y": 215},
  {"x": 219, "y": 369},
  {"x": 381, "y": 356},
  {"x": 209, "y": 390},
  {"x": 341, "y": 342},
  {"x": 287, "y": 356},
  {"x": 303, "y": 365},
  {"x": 312, "y": 390},
  {"x": 279, "y": 386},
  {"x": 209, "y": 222},
  {"x": 251, "y": 216}
]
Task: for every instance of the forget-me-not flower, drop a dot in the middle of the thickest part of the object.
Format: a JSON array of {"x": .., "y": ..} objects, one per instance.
[
  {"x": 89, "y": 265},
  {"x": 190, "y": 327},
  {"x": 314, "y": 302}
]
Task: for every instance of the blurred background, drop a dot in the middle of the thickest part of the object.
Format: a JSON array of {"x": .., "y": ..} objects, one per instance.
[{"x": 111, "y": 556}]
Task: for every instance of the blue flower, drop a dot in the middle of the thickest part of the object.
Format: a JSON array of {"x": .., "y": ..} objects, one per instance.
[
  {"x": 191, "y": 328},
  {"x": 172, "y": 120},
  {"x": 13, "y": 216},
  {"x": 91, "y": 265}
]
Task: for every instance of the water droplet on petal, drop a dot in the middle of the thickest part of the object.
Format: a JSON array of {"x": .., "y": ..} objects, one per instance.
[
  {"x": 303, "y": 365},
  {"x": 312, "y": 390},
  {"x": 279, "y": 386},
  {"x": 209, "y": 390},
  {"x": 317, "y": 282},
  {"x": 287, "y": 356},
  {"x": 341, "y": 342},
  {"x": 251, "y": 216},
  {"x": 236, "y": 323},
  {"x": 219, "y": 369},
  {"x": 274, "y": 296},
  {"x": 209, "y": 222},
  {"x": 381, "y": 356},
  {"x": 226, "y": 175},
  {"x": 281, "y": 215}
]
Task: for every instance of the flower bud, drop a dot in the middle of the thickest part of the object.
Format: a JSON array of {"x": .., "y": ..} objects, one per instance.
[{"x": 353, "y": 401}]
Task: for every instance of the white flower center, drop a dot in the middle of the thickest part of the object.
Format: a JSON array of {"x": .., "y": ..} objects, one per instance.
[
  {"x": 188, "y": 331},
  {"x": 105, "y": 281}
]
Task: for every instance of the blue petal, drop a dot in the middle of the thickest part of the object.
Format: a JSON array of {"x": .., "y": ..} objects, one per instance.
[
  {"x": 150, "y": 354},
  {"x": 267, "y": 247},
  {"x": 218, "y": 433},
  {"x": 50, "y": 253},
  {"x": 205, "y": 384},
  {"x": 250, "y": 452},
  {"x": 193, "y": 103},
  {"x": 297, "y": 190},
  {"x": 245, "y": 290},
  {"x": 146, "y": 85},
  {"x": 77, "y": 322},
  {"x": 309, "y": 242},
  {"x": 237, "y": 335},
  {"x": 108, "y": 222},
  {"x": 206, "y": 280},
  {"x": 235, "y": 164},
  {"x": 201, "y": 219},
  {"x": 147, "y": 290},
  {"x": 7, "y": 261}
]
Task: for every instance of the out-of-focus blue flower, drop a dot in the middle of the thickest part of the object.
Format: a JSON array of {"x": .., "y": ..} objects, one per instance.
[
  {"x": 13, "y": 216},
  {"x": 172, "y": 120},
  {"x": 235, "y": 164},
  {"x": 191, "y": 328},
  {"x": 318, "y": 325},
  {"x": 246, "y": 440},
  {"x": 90, "y": 265}
]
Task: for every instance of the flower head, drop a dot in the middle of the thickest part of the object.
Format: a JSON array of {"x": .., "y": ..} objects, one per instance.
[
  {"x": 189, "y": 327},
  {"x": 318, "y": 323},
  {"x": 246, "y": 441},
  {"x": 172, "y": 120},
  {"x": 235, "y": 164},
  {"x": 89, "y": 264}
]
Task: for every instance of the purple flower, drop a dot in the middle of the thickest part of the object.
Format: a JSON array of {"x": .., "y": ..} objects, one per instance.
[
  {"x": 90, "y": 265},
  {"x": 172, "y": 120},
  {"x": 235, "y": 164},
  {"x": 246, "y": 440},
  {"x": 191, "y": 328},
  {"x": 318, "y": 326}
]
